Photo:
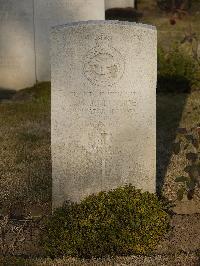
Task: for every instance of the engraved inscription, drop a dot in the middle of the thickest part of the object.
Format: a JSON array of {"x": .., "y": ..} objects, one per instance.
[
  {"x": 103, "y": 103},
  {"x": 103, "y": 65}
]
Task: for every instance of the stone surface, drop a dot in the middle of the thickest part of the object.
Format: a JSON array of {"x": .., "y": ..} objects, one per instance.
[
  {"x": 119, "y": 3},
  {"x": 17, "y": 60},
  {"x": 103, "y": 108},
  {"x": 49, "y": 13}
]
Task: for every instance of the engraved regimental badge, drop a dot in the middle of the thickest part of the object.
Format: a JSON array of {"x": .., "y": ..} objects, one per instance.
[{"x": 103, "y": 65}]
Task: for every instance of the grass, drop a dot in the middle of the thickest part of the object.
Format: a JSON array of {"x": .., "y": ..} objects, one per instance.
[
  {"x": 168, "y": 33},
  {"x": 25, "y": 159}
]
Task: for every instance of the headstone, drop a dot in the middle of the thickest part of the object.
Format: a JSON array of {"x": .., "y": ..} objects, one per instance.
[
  {"x": 103, "y": 108},
  {"x": 119, "y": 4},
  {"x": 17, "y": 60},
  {"x": 24, "y": 36},
  {"x": 49, "y": 13}
]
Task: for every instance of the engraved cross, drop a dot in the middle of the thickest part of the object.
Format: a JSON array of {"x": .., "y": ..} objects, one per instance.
[{"x": 104, "y": 135}]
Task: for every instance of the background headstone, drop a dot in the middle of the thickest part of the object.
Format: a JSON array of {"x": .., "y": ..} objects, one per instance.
[
  {"x": 119, "y": 3},
  {"x": 103, "y": 108},
  {"x": 17, "y": 59},
  {"x": 24, "y": 36},
  {"x": 49, "y": 13}
]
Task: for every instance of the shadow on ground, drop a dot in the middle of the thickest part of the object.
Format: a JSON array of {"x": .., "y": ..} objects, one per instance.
[
  {"x": 6, "y": 94},
  {"x": 169, "y": 113}
]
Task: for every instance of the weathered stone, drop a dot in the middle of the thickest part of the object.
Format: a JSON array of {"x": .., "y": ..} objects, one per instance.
[
  {"x": 103, "y": 108},
  {"x": 49, "y": 13},
  {"x": 119, "y": 3},
  {"x": 17, "y": 59}
]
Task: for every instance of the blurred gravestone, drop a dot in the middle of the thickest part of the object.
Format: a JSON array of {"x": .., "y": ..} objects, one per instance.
[
  {"x": 103, "y": 108},
  {"x": 49, "y": 13},
  {"x": 119, "y": 3},
  {"x": 17, "y": 59},
  {"x": 24, "y": 36}
]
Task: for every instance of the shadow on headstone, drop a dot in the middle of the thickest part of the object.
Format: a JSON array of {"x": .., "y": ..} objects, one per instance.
[{"x": 169, "y": 112}]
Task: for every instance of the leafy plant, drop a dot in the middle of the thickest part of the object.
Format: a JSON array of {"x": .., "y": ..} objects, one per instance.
[
  {"x": 188, "y": 142},
  {"x": 192, "y": 42},
  {"x": 169, "y": 5},
  {"x": 177, "y": 70},
  {"x": 119, "y": 222}
]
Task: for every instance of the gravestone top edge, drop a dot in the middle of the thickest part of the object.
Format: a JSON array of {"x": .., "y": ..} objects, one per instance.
[{"x": 103, "y": 22}]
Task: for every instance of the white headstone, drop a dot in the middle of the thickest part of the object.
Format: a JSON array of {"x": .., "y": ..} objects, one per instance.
[
  {"x": 103, "y": 108},
  {"x": 24, "y": 36},
  {"x": 17, "y": 59},
  {"x": 119, "y": 3},
  {"x": 49, "y": 13}
]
